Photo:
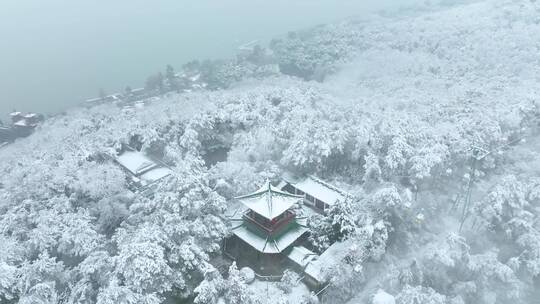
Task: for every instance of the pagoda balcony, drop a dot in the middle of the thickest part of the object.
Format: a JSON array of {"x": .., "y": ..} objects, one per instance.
[{"x": 266, "y": 227}]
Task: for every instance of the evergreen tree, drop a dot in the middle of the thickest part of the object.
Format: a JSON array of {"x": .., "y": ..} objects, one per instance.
[
  {"x": 211, "y": 288},
  {"x": 236, "y": 291}
]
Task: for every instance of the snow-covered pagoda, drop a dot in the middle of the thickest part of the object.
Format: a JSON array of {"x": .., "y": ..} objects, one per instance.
[{"x": 268, "y": 226}]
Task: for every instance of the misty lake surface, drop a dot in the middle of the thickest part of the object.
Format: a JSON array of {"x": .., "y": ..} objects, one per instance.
[{"x": 56, "y": 53}]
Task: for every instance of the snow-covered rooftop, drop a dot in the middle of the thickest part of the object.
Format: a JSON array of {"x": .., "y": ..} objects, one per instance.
[
  {"x": 320, "y": 190},
  {"x": 91, "y": 100},
  {"x": 269, "y": 201},
  {"x": 301, "y": 256},
  {"x": 248, "y": 46},
  {"x": 135, "y": 162},
  {"x": 268, "y": 245},
  {"x": 21, "y": 123},
  {"x": 318, "y": 268},
  {"x": 154, "y": 175}
]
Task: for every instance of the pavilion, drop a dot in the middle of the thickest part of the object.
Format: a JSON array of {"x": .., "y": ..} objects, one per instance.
[{"x": 267, "y": 228}]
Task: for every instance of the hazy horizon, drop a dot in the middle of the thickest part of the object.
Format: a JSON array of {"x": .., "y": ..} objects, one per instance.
[{"x": 60, "y": 52}]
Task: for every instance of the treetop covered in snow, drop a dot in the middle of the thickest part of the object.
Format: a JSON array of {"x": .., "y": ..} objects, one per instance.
[{"x": 400, "y": 104}]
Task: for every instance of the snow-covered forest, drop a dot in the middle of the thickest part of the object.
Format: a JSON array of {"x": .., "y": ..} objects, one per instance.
[{"x": 430, "y": 120}]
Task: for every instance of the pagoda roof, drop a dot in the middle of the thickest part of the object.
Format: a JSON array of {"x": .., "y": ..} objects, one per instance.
[
  {"x": 269, "y": 244},
  {"x": 269, "y": 201}
]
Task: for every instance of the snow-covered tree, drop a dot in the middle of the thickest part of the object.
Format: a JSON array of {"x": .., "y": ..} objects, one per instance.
[
  {"x": 8, "y": 279},
  {"x": 373, "y": 173},
  {"x": 211, "y": 288},
  {"x": 236, "y": 291},
  {"x": 116, "y": 293},
  {"x": 418, "y": 294},
  {"x": 345, "y": 280},
  {"x": 399, "y": 105},
  {"x": 289, "y": 280},
  {"x": 41, "y": 281},
  {"x": 142, "y": 267}
]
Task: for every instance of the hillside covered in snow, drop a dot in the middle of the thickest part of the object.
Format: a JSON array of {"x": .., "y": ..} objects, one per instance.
[{"x": 430, "y": 120}]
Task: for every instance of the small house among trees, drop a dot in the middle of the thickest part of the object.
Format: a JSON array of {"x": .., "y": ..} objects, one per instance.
[
  {"x": 315, "y": 268},
  {"x": 317, "y": 193},
  {"x": 21, "y": 125},
  {"x": 143, "y": 172}
]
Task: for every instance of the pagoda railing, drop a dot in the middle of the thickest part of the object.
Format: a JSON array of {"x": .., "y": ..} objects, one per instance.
[{"x": 276, "y": 227}]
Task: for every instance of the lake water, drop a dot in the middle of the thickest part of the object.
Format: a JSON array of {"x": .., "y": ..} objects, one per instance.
[{"x": 56, "y": 53}]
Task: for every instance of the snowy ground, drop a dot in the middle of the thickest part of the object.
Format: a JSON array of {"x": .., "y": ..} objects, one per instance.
[{"x": 273, "y": 294}]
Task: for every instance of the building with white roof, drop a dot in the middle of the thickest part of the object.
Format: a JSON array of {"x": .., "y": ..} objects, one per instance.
[
  {"x": 247, "y": 48},
  {"x": 93, "y": 100},
  {"x": 317, "y": 193},
  {"x": 143, "y": 172},
  {"x": 301, "y": 256},
  {"x": 316, "y": 268},
  {"x": 135, "y": 162},
  {"x": 16, "y": 116},
  {"x": 21, "y": 123},
  {"x": 138, "y": 91},
  {"x": 24, "y": 124}
]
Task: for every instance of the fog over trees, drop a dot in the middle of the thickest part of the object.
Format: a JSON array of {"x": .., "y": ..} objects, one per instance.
[
  {"x": 63, "y": 51},
  {"x": 429, "y": 120}
]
